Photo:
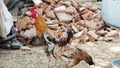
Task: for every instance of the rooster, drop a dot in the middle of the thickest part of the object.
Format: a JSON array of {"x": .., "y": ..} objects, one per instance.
[
  {"x": 68, "y": 53},
  {"x": 48, "y": 39}
]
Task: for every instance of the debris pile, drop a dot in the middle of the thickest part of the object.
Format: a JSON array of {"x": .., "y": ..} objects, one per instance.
[{"x": 84, "y": 20}]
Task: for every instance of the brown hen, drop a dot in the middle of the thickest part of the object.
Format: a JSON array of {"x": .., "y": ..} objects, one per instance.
[{"x": 68, "y": 53}]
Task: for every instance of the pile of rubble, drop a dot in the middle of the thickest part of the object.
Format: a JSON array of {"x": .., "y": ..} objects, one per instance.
[{"x": 84, "y": 20}]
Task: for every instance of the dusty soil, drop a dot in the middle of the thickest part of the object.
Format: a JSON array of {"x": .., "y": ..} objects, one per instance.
[{"x": 102, "y": 52}]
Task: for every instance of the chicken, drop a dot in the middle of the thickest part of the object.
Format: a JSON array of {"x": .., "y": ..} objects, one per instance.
[
  {"x": 72, "y": 57},
  {"x": 68, "y": 53},
  {"x": 65, "y": 38},
  {"x": 48, "y": 40}
]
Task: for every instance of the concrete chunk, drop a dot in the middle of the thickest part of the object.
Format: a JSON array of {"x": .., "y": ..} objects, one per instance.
[{"x": 64, "y": 17}]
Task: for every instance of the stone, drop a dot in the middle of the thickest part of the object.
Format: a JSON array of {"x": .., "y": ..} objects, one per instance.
[
  {"x": 15, "y": 18},
  {"x": 29, "y": 33},
  {"x": 48, "y": 9},
  {"x": 81, "y": 9},
  {"x": 25, "y": 48},
  {"x": 54, "y": 26},
  {"x": 44, "y": 6},
  {"x": 99, "y": 17},
  {"x": 20, "y": 4},
  {"x": 74, "y": 28},
  {"x": 50, "y": 14},
  {"x": 15, "y": 11},
  {"x": 93, "y": 34},
  {"x": 64, "y": 17},
  {"x": 40, "y": 10},
  {"x": 78, "y": 35},
  {"x": 60, "y": 9},
  {"x": 24, "y": 10},
  {"x": 112, "y": 33},
  {"x": 92, "y": 8},
  {"x": 100, "y": 38},
  {"x": 49, "y": 22},
  {"x": 71, "y": 10},
  {"x": 108, "y": 39},
  {"x": 101, "y": 32},
  {"x": 36, "y": 42},
  {"x": 67, "y": 3},
  {"x": 74, "y": 3},
  {"x": 91, "y": 24},
  {"x": 48, "y": 1},
  {"x": 88, "y": 15}
]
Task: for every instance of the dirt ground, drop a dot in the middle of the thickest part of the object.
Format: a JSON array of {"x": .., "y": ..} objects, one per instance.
[{"x": 102, "y": 52}]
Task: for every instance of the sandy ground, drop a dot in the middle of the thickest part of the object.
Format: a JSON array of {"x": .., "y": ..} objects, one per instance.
[{"x": 102, "y": 52}]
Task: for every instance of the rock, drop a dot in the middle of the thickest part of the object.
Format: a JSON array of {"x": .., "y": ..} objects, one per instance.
[
  {"x": 20, "y": 5},
  {"x": 112, "y": 33},
  {"x": 81, "y": 23},
  {"x": 81, "y": 9},
  {"x": 80, "y": 27},
  {"x": 44, "y": 6},
  {"x": 92, "y": 8},
  {"x": 15, "y": 11},
  {"x": 81, "y": 19},
  {"x": 36, "y": 42},
  {"x": 48, "y": 1},
  {"x": 55, "y": 21},
  {"x": 21, "y": 24},
  {"x": 93, "y": 34},
  {"x": 28, "y": 13},
  {"x": 64, "y": 17},
  {"x": 29, "y": 33},
  {"x": 49, "y": 22},
  {"x": 71, "y": 10},
  {"x": 50, "y": 14},
  {"x": 60, "y": 9},
  {"x": 79, "y": 34},
  {"x": 90, "y": 24},
  {"x": 85, "y": 37},
  {"x": 84, "y": 11},
  {"x": 74, "y": 28},
  {"x": 15, "y": 18},
  {"x": 54, "y": 26},
  {"x": 24, "y": 10},
  {"x": 101, "y": 32},
  {"x": 74, "y": 3},
  {"x": 48, "y": 9},
  {"x": 25, "y": 48},
  {"x": 108, "y": 39},
  {"x": 67, "y": 3},
  {"x": 100, "y": 38},
  {"x": 99, "y": 17},
  {"x": 88, "y": 15},
  {"x": 40, "y": 10}
]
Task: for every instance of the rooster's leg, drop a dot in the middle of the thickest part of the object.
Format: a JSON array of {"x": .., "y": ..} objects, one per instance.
[
  {"x": 66, "y": 65},
  {"x": 49, "y": 59},
  {"x": 55, "y": 63}
]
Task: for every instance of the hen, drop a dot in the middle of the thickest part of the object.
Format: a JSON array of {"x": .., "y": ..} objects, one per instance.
[{"x": 68, "y": 53}]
